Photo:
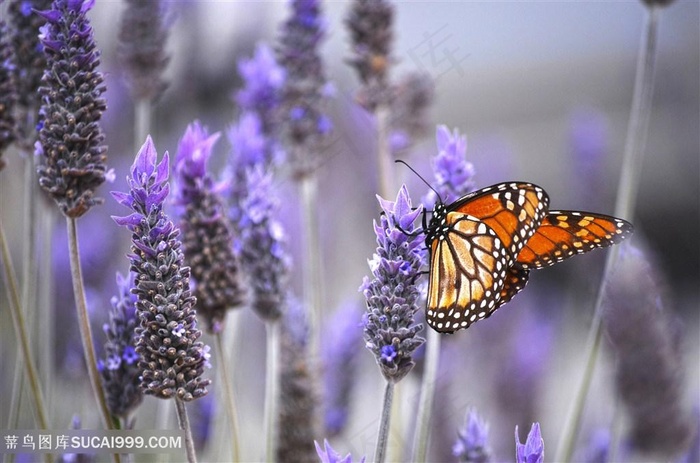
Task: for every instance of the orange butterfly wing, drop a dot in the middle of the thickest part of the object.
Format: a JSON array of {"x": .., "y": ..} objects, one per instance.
[
  {"x": 563, "y": 234},
  {"x": 472, "y": 247}
]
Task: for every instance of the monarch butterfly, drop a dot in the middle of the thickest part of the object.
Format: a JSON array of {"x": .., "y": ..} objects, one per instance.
[{"x": 483, "y": 246}]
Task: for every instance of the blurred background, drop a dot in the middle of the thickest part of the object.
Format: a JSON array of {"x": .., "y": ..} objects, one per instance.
[{"x": 542, "y": 90}]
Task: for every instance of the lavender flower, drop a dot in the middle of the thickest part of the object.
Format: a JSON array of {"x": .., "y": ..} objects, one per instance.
[
  {"x": 142, "y": 37},
  {"x": 340, "y": 356},
  {"x": 410, "y": 100},
  {"x": 172, "y": 359},
  {"x": 392, "y": 296},
  {"x": 70, "y": 138},
  {"x": 306, "y": 90},
  {"x": 370, "y": 26},
  {"x": 262, "y": 249},
  {"x": 207, "y": 235},
  {"x": 29, "y": 57},
  {"x": 298, "y": 400},
  {"x": 8, "y": 92},
  {"x": 328, "y": 455},
  {"x": 262, "y": 93},
  {"x": 532, "y": 451},
  {"x": 643, "y": 333},
  {"x": 120, "y": 371},
  {"x": 453, "y": 173},
  {"x": 472, "y": 441}
]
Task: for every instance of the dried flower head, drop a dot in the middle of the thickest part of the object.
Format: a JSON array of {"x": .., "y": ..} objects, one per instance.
[
  {"x": 392, "y": 295},
  {"x": 370, "y": 25},
  {"x": 142, "y": 36},
  {"x": 70, "y": 138},
  {"x": 171, "y": 358},
  {"x": 532, "y": 451},
  {"x": 207, "y": 234},
  {"x": 119, "y": 369}
]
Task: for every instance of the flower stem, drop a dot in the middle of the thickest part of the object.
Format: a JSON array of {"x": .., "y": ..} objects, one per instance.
[
  {"x": 20, "y": 328},
  {"x": 427, "y": 392},
  {"x": 84, "y": 322},
  {"x": 271, "y": 390},
  {"x": 143, "y": 110},
  {"x": 229, "y": 398},
  {"x": 184, "y": 422},
  {"x": 313, "y": 283},
  {"x": 384, "y": 164},
  {"x": 383, "y": 434},
  {"x": 624, "y": 207}
]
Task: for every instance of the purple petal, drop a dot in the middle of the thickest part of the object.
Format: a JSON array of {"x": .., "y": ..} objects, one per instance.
[
  {"x": 145, "y": 159},
  {"x": 129, "y": 220},
  {"x": 125, "y": 199}
]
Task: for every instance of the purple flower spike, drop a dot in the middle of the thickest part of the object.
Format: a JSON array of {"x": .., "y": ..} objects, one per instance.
[
  {"x": 532, "y": 451},
  {"x": 328, "y": 455},
  {"x": 207, "y": 233},
  {"x": 8, "y": 92},
  {"x": 453, "y": 173},
  {"x": 392, "y": 296},
  {"x": 172, "y": 361},
  {"x": 70, "y": 138},
  {"x": 472, "y": 443}
]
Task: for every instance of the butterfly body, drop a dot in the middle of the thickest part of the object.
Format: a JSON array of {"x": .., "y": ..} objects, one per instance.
[{"x": 483, "y": 246}]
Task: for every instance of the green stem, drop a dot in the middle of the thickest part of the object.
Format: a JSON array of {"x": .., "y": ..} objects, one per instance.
[
  {"x": 313, "y": 278},
  {"x": 624, "y": 207},
  {"x": 427, "y": 393},
  {"x": 383, "y": 434},
  {"x": 20, "y": 328},
  {"x": 272, "y": 390},
  {"x": 84, "y": 322},
  {"x": 184, "y": 422},
  {"x": 143, "y": 110},
  {"x": 229, "y": 398}
]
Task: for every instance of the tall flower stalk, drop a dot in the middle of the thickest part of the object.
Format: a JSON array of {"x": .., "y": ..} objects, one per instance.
[
  {"x": 172, "y": 360},
  {"x": 208, "y": 246},
  {"x": 624, "y": 207},
  {"x": 305, "y": 131},
  {"x": 70, "y": 141},
  {"x": 390, "y": 331},
  {"x": 453, "y": 179}
]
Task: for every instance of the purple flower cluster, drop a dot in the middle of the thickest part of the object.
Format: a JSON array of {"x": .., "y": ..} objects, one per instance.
[
  {"x": 171, "y": 358},
  {"x": 70, "y": 138},
  {"x": 392, "y": 295},
  {"x": 119, "y": 369},
  {"x": 328, "y": 455},
  {"x": 207, "y": 234},
  {"x": 532, "y": 451},
  {"x": 453, "y": 173},
  {"x": 472, "y": 442}
]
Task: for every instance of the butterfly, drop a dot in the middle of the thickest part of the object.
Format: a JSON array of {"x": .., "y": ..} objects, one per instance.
[{"x": 483, "y": 246}]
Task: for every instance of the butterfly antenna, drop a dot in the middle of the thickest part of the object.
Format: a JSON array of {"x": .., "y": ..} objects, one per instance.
[{"x": 399, "y": 161}]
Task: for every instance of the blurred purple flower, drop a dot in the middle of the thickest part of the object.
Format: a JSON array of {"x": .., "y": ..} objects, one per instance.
[
  {"x": 340, "y": 354},
  {"x": 70, "y": 138},
  {"x": 588, "y": 141},
  {"x": 207, "y": 233},
  {"x": 390, "y": 331},
  {"x": 8, "y": 92},
  {"x": 453, "y": 173},
  {"x": 172, "y": 364},
  {"x": 472, "y": 442},
  {"x": 328, "y": 455},
  {"x": 305, "y": 91},
  {"x": 120, "y": 370},
  {"x": 533, "y": 449},
  {"x": 142, "y": 36}
]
